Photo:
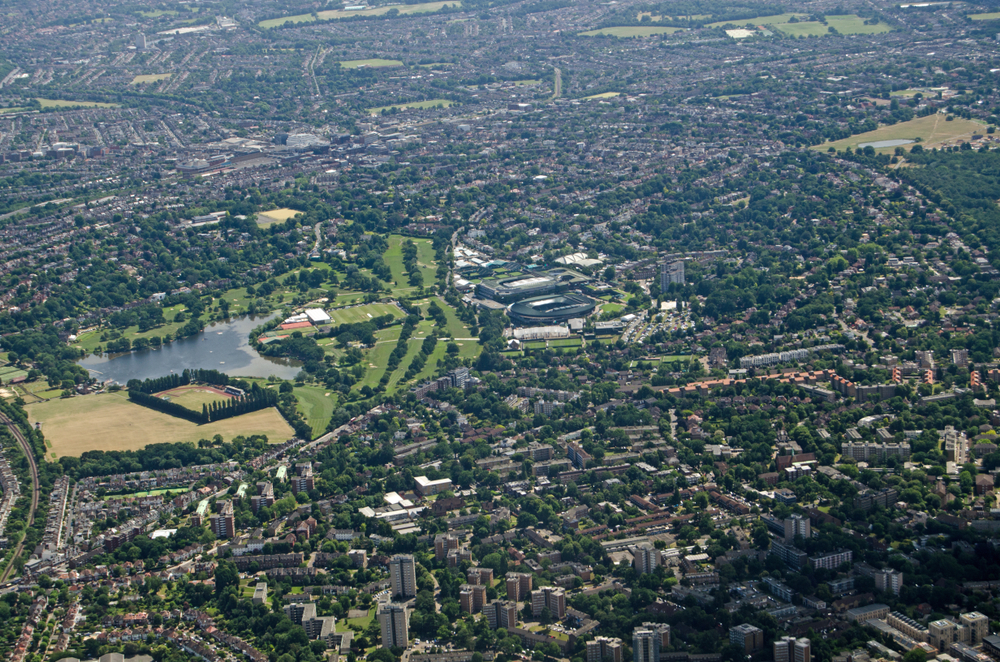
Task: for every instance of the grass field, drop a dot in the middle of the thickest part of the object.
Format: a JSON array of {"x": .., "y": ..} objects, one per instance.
[
  {"x": 528, "y": 82},
  {"x": 316, "y": 406},
  {"x": 193, "y": 397},
  {"x": 158, "y": 12},
  {"x": 845, "y": 24},
  {"x": 90, "y": 340},
  {"x": 63, "y": 103},
  {"x": 108, "y": 421},
  {"x": 337, "y": 14},
  {"x": 658, "y": 17},
  {"x": 431, "y": 103},
  {"x": 602, "y": 95},
  {"x": 11, "y": 110},
  {"x": 990, "y": 16},
  {"x": 933, "y": 130},
  {"x": 758, "y": 20},
  {"x": 149, "y": 78},
  {"x": 425, "y": 262},
  {"x": 139, "y": 495},
  {"x": 363, "y": 313},
  {"x": 627, "y": 31},
  {"x": 375, "y": 63},
  {"x": 8, "y": 373},
  {"x": 276, "y": 216}
]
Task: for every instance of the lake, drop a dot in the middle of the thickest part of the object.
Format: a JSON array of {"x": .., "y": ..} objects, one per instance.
[{"x": 222, "y": 346}]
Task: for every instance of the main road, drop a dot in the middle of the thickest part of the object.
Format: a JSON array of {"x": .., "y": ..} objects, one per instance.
[{"x": 28, "y": 453}]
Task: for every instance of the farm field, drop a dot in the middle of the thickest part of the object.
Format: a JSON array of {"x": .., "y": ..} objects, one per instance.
[
  {"x": 372, "y": 62},
  {"x": 337, "y": 14},
  {"x": 933, "y": 130},
  {"x": 149, "y": 78},
  {"x": 265, "y": 218},
  {"x": 63, "y": 103},
  {"x": 627, "y": 31},
  {"x": 363, "y": 313},
  {"x": 430, "y": 103},
  {"x": 316, "y": 405},
  {"x": 193, "y": 396},
  {"x": 845, "y": 24},
  {"x": 8, "y": 373},
  {"x": 108, "y": 421},
  {"x": 758, "y": 20}
]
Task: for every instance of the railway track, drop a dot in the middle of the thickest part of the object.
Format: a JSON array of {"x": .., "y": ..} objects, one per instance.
[{"x": 28, "y": 453}]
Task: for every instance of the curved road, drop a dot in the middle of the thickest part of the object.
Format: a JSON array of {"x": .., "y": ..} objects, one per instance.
[{"x": 28, "y": 453}]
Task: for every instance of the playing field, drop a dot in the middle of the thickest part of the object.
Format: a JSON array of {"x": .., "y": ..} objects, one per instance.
[
  {"x": 276, "y": 216},
  {"x": 374, "y": 63},
  {"x": 991, "y": 16},
  {"x": 336, "y": 14},
  {"x": 933, "y": 131},
  {"x": 363, "y": 313},
  {"x": 316, "y": 405},
  {"x": 431, "y": 103},
  {"x": 108, "y": 421},
  {"x": 63, "y": 103},
  {"x": 149, "y": 78},
  {"x": 194, "y": 396},
  {"x": 602, "y": 95},
  {"x": 846, "y": 25},
  {"x": 626, "y": 31},
  {"x": 758, "y": 20}
]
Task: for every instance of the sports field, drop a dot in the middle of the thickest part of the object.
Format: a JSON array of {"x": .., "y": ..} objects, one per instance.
[
  {"x": 108, "y": 421},
  {"x": 933, "y": 131},
  {"x": 276, "y": 216},
  {"x": 845, "y": 24},
  {"x": 316, "y": 405},
  {"x": 431, "y": 103},
  {"x": 337, "y": 14},
  {"x": 149, "y": 78},
  {"x": 990, "y": 16},
  {"x": 363, "y": 313},
  {"x": 63, "y": 103},
  {"x": 758, "y": 20},
  {"x": 194, "y": 396},
  {"x": 627, "y": 31},
  {"x": 602, "y": 95},
  {"x": 374, "y": 63}
]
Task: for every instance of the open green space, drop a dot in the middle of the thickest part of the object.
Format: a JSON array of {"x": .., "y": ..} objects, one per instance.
[
  {"x": 337, "y": 14},
  {"x": 602, "y": 95},
  {"x": 63, "y": 103},
  {"x": 394, "y": 260},
  {"x": 844, "y": 24},
  {"x": 932, "y": 130},
  {"x": 157, "y": 13},
  {"x": 659, "y": 17},
  {"x": 628, "y": 31},
  {"x": 430, "y": 103},
  {"x": 374, "y": 63},
  {"x": 147, "y": 493},
  {"x": 149, "y": 78},
  {"x": 758, "y": 20},
  {"x": 88, "y": 341},
  {"x": 988, "y": 16},
  {"x": 109, "y": 421},
  {"x": 316, "y": 404},
  {"x": 193, "y": 396},
  {"x": 11, "y": 110},
  {"x": 363, "y": 313}
]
